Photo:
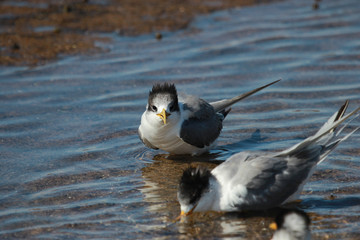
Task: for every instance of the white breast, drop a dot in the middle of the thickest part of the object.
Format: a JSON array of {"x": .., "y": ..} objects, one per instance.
[{"x": 166, "y": 137}]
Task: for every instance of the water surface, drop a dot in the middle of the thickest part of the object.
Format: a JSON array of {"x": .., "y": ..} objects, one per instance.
[{"x": 72, "y": 165}]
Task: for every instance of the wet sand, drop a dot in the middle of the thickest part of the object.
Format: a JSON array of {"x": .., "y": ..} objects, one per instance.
[{"x": 36, "y": 31}]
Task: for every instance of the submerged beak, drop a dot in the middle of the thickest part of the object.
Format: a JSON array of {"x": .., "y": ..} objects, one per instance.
[
  {"x": 163, "y": 115},
  {"x": 184, "y": 214},
  {"x": 273, "y": 226}
]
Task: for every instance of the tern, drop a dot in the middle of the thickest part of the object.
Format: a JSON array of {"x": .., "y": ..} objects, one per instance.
[
  {"x": 260, "y": 180},
  {"x": 291, "y": 224},
  {"x": 183, "y": 124}
]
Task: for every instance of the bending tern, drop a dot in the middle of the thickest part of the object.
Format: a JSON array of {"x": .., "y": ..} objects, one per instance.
[
  {"x": 291, "y": 224},
  {"x": 260, "y": 180},
  {"x": 183, "y": 124}
]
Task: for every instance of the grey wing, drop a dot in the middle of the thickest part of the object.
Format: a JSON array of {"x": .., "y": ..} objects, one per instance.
[
  {"x": 225, "y": 103},
  {"x": 203, "y": 124},
  {"x": 248, "y": 168},
  {"x": 145, "y": 141},
  {"x": 269, "y": 179}
]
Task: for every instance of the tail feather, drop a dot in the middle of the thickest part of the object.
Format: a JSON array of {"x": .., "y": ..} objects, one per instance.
[
  {"x": 335, "y": 117},
  {"x": 225, "y": 103},
  {"x": 342, "y": 110},
  {"x": 330, "y": 147},
  {"x": 325, "y": 134},
  {"x": 342, "y": 128}
]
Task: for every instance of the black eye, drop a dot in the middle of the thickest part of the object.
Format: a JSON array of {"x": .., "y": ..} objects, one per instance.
[
  {"x": 172, "y": 107},
  {"x": 154, "y": 108}
]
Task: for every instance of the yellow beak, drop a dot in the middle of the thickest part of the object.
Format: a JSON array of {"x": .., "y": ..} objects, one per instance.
[
  {"x": 184, "y": 214},
  {"x": 163, "y": 115},
  {"x": 273, "y": 226}
]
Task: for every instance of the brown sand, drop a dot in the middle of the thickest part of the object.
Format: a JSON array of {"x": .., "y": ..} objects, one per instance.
[{"x": 33, "y": 32}]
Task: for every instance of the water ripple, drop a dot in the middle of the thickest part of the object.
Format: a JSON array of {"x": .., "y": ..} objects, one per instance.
[{"x": 72, "y": 165}]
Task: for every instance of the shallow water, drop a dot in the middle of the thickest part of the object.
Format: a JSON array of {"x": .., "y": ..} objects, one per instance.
[{"x": 72, "y": 165}]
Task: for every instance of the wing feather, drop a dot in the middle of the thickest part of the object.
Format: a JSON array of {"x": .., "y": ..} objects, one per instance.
[
  {"x": 269, "y": 180},
  {"x": 202, "y": 124},
  {"x": 225, "y": 103}
]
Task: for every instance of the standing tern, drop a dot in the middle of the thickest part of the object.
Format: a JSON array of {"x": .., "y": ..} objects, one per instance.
[
  {"x": 183, "y": 124},
  {"x": 291, "y": 224},
  {"x": 260, "y": 180}
]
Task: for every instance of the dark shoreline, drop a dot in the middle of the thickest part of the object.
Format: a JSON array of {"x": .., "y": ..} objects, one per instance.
[{"x": 34, "y": 32}]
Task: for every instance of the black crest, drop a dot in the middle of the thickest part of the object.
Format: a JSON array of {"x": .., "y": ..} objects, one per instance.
[
  {"x": 193, "y": 183},
  {"x": 165, "y": 88},
  {"x": 279, "y": 220}
]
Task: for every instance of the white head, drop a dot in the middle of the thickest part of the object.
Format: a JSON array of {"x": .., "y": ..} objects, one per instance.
[{"x": 163, "y": 105}]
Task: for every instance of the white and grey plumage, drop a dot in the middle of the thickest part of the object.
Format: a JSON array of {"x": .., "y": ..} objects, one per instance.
[
  {"x": 260, "y": 180},
  {"x": 291, "y": 224},
  {"x": 183, "y": 124}
]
